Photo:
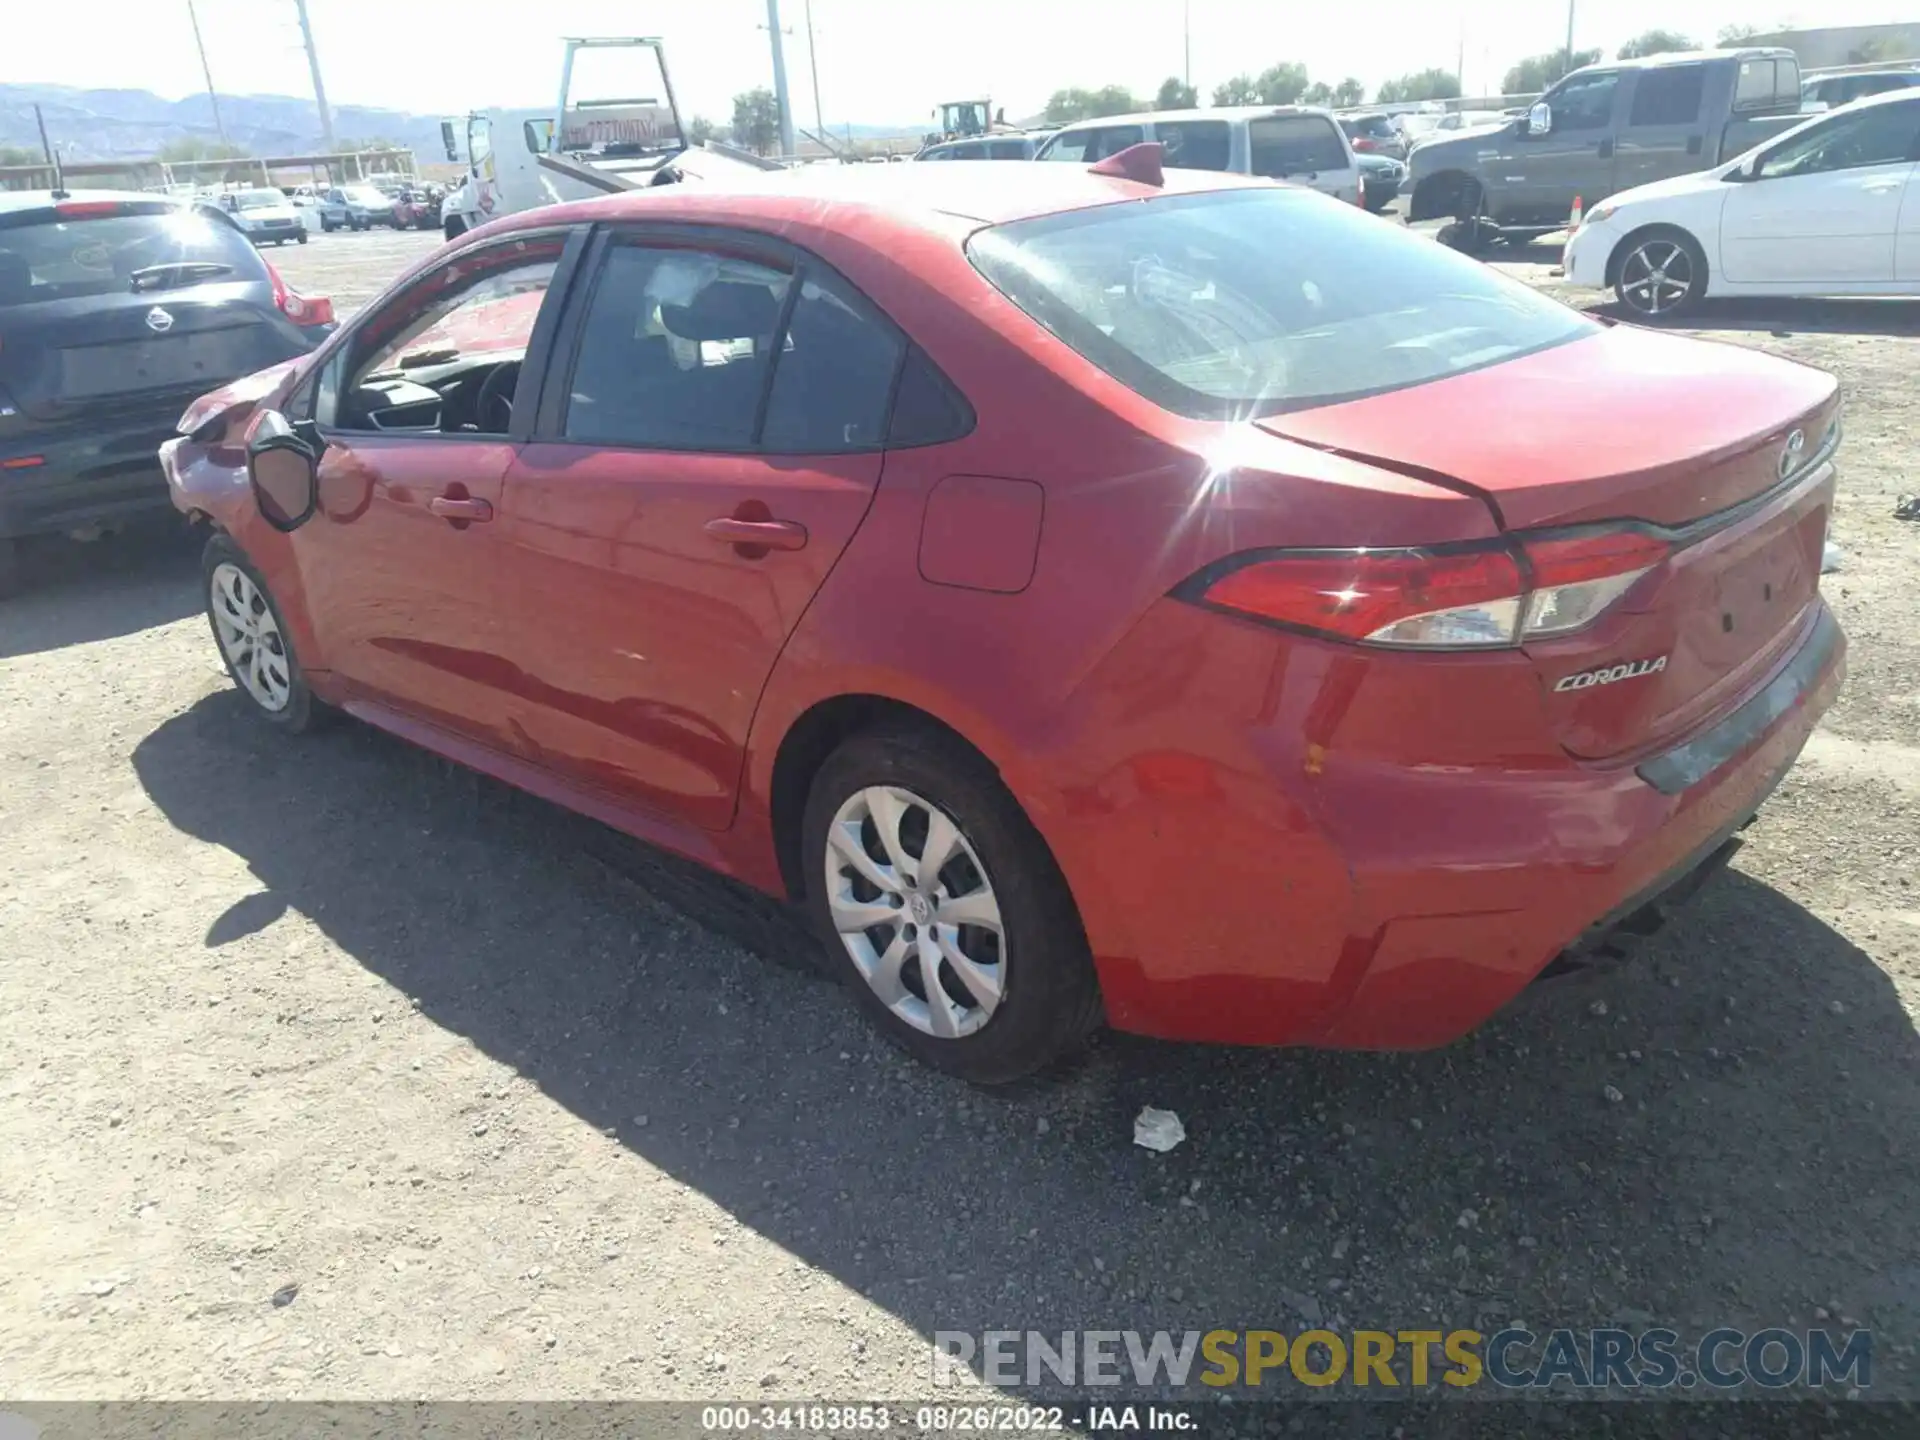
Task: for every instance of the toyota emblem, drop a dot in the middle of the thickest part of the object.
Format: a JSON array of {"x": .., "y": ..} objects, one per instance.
[
  {"x": 159, "y": 321},
  {"x": 1789, "y": 457}
]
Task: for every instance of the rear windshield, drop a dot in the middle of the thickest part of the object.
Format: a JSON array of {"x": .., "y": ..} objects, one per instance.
[
  {"x": 261, "y": 199},
  {"x": 1282, "y": 145},
  {"x": 1377, "y": 126},
  {"x": 54, "y": 259},
  {"x": 1247, "y": 303}
]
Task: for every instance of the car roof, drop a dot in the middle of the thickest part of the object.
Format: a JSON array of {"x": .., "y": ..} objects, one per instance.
[
  {"x": 1692, "y": 57},
  {"x": 927, "y": 196},
  {"x": 1218, "y": 112},
  {"x": 13, "y": 201}
]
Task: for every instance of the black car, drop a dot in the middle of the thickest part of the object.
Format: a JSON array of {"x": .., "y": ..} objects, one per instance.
[
  {"x": 116, "y": 311},
  {"x": 1381, "y": 177}
]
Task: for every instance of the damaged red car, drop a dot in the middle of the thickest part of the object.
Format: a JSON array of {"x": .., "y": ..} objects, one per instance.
[{"x": 1172, "y": 600}]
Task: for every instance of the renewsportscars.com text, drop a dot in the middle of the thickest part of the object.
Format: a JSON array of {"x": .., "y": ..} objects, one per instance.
[{"x": 1511, "y": 1359}]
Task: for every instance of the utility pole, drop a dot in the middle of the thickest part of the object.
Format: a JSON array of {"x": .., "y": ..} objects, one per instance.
[
  {"x": 1186, "y": 31},
  {"x": 213, "y": 96},
  {"x": 1570, "y": 4},
  {"x": 779, "y": 77},
  {"x": 813, "y": 59},
  {"x": 313, "y": 64}
]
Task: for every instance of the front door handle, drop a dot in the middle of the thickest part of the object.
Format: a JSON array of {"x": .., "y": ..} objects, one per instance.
[
  {"x": 760, "y": 534},
  {"x": 460, "y": 507},
  {"x": 1606, "y": 149}
]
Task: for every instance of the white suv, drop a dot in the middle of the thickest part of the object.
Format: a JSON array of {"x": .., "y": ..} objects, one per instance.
[{"x": 1285, "y": 142}]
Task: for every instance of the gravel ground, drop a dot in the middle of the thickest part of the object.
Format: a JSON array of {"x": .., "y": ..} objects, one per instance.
[{"x": 331, "y": 1070}]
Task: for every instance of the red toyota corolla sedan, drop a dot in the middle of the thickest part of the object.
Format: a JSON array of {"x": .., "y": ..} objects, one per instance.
[{"x": 1177, "y": 599}]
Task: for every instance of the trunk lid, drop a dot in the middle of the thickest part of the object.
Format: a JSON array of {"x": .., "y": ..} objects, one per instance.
[{"x": 1689, "y": 441}]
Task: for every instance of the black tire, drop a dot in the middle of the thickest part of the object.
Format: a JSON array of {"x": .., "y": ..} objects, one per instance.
[
  {"x": 1049, "y": 1003},
  {"x": 1634, "y": 267},
  {"x": 302, "y": 712},
  {"x": 454, "y": 228},
  {"x": 302, "y": 237}
]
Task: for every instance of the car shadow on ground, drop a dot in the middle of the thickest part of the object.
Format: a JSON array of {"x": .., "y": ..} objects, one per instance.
[
  {"x": 1718, "y": 1133},
  {"x": 72, "y": 593},
  {"x": 1790, "y": 317}
]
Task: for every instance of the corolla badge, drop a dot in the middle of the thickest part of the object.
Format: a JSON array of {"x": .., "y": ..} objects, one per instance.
[
  {"x": 1612, "y": 674},
  {"x": 159, "y": 321},
  {"x": 1790, "y": 456}
]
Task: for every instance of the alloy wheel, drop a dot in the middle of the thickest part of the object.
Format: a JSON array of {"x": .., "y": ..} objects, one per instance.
[
  {"x": 1657, "y": 277},
  {"x": 914, "y": 909},
  {"x": 250, "y": 638}
]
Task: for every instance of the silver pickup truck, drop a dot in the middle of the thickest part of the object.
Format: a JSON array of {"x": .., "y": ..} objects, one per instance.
[{"x": 1603, "y": 129}]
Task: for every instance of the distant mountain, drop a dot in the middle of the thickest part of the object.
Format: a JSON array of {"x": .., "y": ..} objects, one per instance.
[
  {"x": 130, "y": 124},
  {"x": 127, "y": 124}
]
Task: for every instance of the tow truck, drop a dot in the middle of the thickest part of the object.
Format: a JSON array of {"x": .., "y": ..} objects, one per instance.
[{"x": 520, "y": 159}]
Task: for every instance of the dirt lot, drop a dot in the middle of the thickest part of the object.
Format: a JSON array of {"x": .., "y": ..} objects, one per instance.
[{"x": 332, "y": 1071}]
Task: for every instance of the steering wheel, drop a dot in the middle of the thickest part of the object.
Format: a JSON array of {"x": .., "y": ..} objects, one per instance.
[{"x": 493, "y": 406}]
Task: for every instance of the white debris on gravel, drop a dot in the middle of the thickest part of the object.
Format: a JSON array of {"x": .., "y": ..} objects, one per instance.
[
  {"x": 1157, "y": 1129},
  {"x": 1831, "y": 558}
]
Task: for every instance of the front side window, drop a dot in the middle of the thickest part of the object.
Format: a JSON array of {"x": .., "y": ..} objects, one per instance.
[
  {"x": 1113, "y": 140},
  {"x": 1880, "y": 135},
  {"x": 1284, "y": 145},
  {"x": 1007, "y": 150},
  {"x": 444, "y": 355},
  {"x": 674, "y": 351},
  {"x": 1238, "y": 304},
  {"x": 1196, "y": 144},
  {"x": 1069, "y": 145},
  {"x": 1668, "y": 95},
  {"x": 1585, "y": 102}
]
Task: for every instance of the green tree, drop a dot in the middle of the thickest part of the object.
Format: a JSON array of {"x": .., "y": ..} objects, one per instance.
[
  {"x": 1240, "y": 90},
  {"x": 756, "y": 120},
  {"x": 1735, "y": 35},
  {"x": 1349, "y": 92},
  {"x": 1537, "y": 72},
  {"x": 1176, "y": 94},
  {"x": 1421, "y": 85},
  {"x": 1282, "y": 84},
  {"x": 1655, "y": 42},
  {"x": 15, "y": 155},
  {"x": 1318, "y": 93},
  {"x": 347, "y": 147},
  {"x": 1066, "y": 106},
  {"x": 700, "y": 130},
  {"x": 1878, "y": 50}
]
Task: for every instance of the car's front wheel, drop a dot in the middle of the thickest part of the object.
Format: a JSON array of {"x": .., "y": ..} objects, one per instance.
[
  {"x": 253, "y": 639},
  {"x": 301, "y": 238},
  {"x": 943, "y": 908},
  {"x": 1662, "y": 273}
]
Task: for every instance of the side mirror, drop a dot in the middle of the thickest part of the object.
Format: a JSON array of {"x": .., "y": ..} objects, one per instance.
[
  {"x": 539, "y": 135},
  {"x": 1540, "y": 119},
  {"x": 446, "y": 140},
  {"x": 283, "y": 470}
]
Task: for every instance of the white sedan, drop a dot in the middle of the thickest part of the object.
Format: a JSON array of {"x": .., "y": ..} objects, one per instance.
[{"x": 1830, "y": 207}]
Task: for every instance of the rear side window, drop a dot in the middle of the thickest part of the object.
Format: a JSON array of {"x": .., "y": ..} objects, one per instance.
[
  {"x": 1007, "y": 150},
  {"x": 46, "y": 256},
  {"x": 926, "y": 409},
  {"x": 1196, "y": 144},
  {"x": 1668, "y": 95},
  {"x": 1766, "y": 83},
  {"x": 1232, "y": 305},
  {"x": 1285, "y": 145},
  {"x": 1068, "y": 145},
  {"x": 833, "y": 376},
  {"x": 674, "y": 351}
]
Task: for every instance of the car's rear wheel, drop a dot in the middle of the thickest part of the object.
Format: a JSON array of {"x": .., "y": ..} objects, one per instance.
[
  {"x": 454, "y": 228},
  {"x": 302, "y": 237},
  {"x": 1662, "y": 273},
  {"x": 253, "y": 640},
  {"x": 943, "y": 909}
]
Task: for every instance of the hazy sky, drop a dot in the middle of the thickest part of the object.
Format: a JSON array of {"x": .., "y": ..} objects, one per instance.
[{"x": 881, "y": 61}]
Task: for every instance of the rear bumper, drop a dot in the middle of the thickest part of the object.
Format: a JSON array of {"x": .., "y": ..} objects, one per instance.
[
  {"x": 84, "y": 476},
  {"x": 1300, "y": 866}
]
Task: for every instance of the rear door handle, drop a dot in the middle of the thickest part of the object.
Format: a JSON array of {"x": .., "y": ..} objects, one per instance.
[
  {"x": 767, "y": 534},
  {"x": 450, "y": 507},
  {"x": 1695, "y": 144}
]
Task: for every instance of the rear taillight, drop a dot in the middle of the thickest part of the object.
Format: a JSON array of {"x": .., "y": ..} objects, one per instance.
[
  {"x": 1470, "y": 597},
  {"x": 87, "y": 209},
  {"x": 301, "y": 309},
  {"x": 1361, "y": 142}
]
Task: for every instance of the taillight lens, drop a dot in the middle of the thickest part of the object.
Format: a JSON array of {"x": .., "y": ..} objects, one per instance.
[
  {"x": 1467, "y": 598},
  {"x": 301, "y": 309}
]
